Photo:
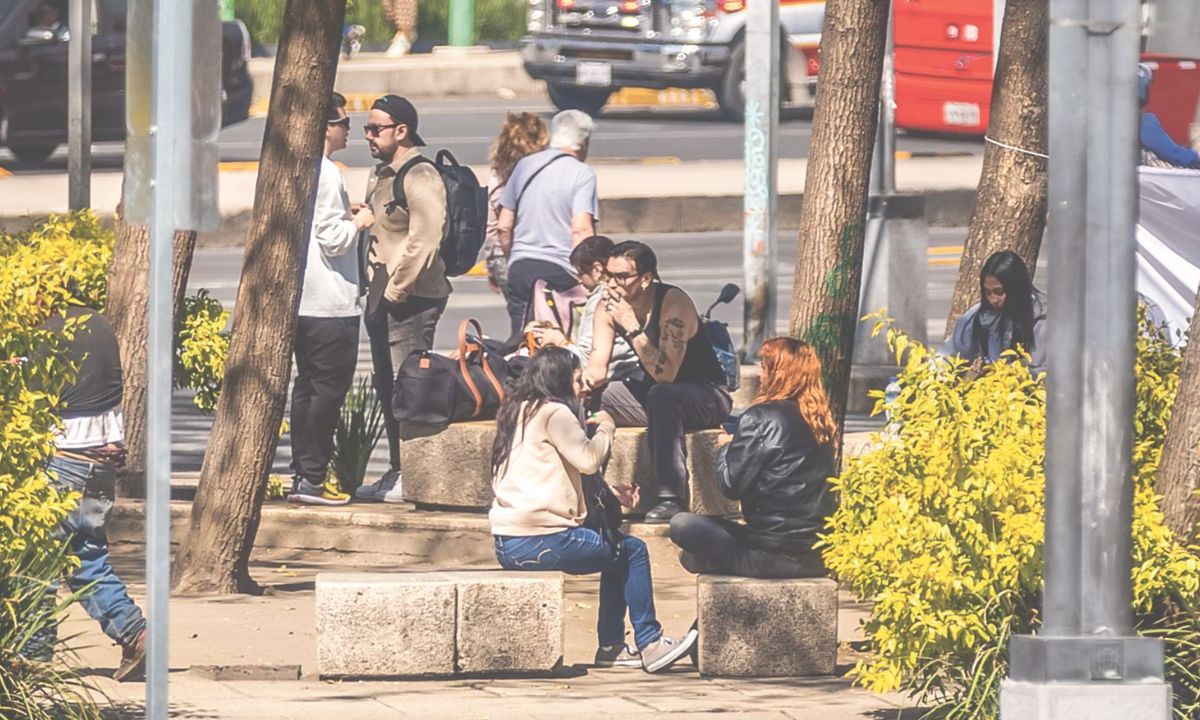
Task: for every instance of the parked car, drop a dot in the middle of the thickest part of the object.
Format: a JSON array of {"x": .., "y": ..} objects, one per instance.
[
  {"x": 587, "y": 49},
  {"x": 33, "y": 74}
]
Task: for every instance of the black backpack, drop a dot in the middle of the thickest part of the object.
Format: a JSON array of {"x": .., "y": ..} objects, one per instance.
[{"x": 466, "y": 210}]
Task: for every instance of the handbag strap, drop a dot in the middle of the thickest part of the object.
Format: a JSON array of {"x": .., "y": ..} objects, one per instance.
[{"x": 466, "y": 345}]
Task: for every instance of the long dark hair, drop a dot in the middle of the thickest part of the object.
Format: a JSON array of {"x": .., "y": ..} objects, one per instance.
[
  {"x": 549, "y": 376},
  {"x": 1017, "y": 314}
]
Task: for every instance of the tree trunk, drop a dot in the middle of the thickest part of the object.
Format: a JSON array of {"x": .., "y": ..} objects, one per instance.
[
  {"x": 214, "y": 557},
  {"x": 128, "y": 305},
  {"x": 1010, "y": 207},
  {"x": 832, "y": 230},
  {"x": 1179, "y": 469}
]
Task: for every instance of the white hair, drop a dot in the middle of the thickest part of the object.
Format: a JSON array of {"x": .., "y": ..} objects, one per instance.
[{"x": 571, "y": 130}]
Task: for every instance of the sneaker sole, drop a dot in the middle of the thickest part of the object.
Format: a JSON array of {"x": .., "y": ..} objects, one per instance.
[
  {"x": 393, "y": 501},
  {"x": 316, "y": 500},
  {"x": 683, "y": 648},
  {"x": 626, "y": 665}
]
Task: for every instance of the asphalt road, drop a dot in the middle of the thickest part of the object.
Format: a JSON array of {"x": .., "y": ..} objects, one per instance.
[
  {"x": 467, "y": 127},
  {"x": 699, "y": 263}
]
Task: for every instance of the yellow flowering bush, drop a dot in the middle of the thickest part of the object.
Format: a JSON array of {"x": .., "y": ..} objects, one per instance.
[
  {"x": 942, "y": 527},
  {"x": 39, "y": 270},
  {"x": 203, "y": 345}
]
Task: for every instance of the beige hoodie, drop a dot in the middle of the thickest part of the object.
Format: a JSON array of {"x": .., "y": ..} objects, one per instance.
[{"x": 538, "y": 490}]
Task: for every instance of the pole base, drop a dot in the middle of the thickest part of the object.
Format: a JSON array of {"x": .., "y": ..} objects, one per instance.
[
  {"x": 1085, "y": 701},
  {"x": 1040, "y": 658}
]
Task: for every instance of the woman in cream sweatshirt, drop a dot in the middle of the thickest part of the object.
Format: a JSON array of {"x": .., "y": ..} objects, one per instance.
[{"x": 541, "y": 451}]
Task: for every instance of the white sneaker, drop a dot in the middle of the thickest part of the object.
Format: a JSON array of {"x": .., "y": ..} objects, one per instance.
[
  {"x": 396, "y": 494},
  {"x": 400, "y": 46},
  {"x": 376, "y": 491}
]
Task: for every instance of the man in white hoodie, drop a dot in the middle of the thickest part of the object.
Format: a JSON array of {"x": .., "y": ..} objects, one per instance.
[{"x": 327, "y": 328}]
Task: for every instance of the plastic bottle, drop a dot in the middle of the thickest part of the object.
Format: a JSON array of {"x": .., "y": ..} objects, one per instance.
[{"x": 890, "y": 394}]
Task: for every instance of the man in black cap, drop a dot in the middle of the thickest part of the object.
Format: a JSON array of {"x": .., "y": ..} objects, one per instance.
[{"x": 406, "y": 277}]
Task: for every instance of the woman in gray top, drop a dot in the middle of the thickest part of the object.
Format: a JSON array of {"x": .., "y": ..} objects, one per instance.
[{"x": 1010, "y": 312}]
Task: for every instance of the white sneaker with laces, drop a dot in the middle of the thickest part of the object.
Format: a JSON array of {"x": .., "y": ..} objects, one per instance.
[
  {"x": 376, "y": 491},
  {"x": 396, "y": 494}
]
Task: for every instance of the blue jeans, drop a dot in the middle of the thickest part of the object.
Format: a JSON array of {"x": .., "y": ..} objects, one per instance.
[
  {"x": 625, "y": 581},
  {"x": 105, "y": 599}
]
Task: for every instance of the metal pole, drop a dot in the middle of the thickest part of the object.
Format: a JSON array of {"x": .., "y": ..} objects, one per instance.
[
  {"x": 759, "y": 247},
  {"x": 1106, "y": 450},
  {"x": 887, "y": 115},
  {"x": 171, "y": 83},
  {"x": 1088, "y": 662},
  {"x": 1068, "y": 117},
  {"x": 79, "y": 106},
  {"x": 461, "y": 30}
]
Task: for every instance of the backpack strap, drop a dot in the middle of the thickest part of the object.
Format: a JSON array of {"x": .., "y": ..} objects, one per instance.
[
  {"x": 548, "y": 163},
  {"x": 399, "y": 198}
]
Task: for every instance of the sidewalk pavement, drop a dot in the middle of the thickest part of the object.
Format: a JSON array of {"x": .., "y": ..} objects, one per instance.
[
  {"x": 696, "y": 196},
  {"x": 217, "y": 639}
]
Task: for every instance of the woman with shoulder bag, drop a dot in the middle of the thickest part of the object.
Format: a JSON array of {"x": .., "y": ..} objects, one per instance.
[{"x": 538, "y": 518}]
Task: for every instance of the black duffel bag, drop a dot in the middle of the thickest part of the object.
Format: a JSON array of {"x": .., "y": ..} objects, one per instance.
[{"x": 436, "y": 390}]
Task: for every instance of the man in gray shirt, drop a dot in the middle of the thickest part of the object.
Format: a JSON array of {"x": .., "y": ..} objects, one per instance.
[{"x": 548, "y": 206}]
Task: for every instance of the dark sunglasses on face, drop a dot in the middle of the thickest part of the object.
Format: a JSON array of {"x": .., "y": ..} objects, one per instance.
[
  {"x": 376, "y": 129},
  {"x": 621, "y": 277},
  {"x": 342, "y": 122}
]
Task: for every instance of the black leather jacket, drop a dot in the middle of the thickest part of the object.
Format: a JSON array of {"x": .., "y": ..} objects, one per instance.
[{"x": 780, "y": 474}]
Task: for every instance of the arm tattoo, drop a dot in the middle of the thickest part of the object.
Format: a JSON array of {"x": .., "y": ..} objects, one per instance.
[{"x": 672, "y": 339}]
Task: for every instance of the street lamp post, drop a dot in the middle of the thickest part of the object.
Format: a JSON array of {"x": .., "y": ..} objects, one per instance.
[
  {"x": 79, "y": 106},
  {"x": 1087, "y": 662},
  {"x": 760, "y": 253}
]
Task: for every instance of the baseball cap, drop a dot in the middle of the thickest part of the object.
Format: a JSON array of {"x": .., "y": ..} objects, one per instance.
[{"x": 402, "y": 111}]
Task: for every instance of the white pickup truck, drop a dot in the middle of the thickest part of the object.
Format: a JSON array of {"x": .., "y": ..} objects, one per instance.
[{"x": 587, "y": 49}]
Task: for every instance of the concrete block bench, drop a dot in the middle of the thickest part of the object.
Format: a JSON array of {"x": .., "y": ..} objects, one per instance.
[
  {"x": 453, "y": 468},
  {"x": 386, "y": 625},
  {"x": 766, "y": 628}
]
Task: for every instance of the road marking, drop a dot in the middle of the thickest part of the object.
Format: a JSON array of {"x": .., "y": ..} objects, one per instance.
[
  {"x": 238, "y": 166},
  {"x": 943, "y": 262},
  {"x": 946, "y": 250},
  {"x": 671, "y": 97}
]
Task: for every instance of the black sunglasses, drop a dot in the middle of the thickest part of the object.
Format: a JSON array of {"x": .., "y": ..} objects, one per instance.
[
  {"x": 377, "y": 129},
  {"x": 343, "y": 122}
]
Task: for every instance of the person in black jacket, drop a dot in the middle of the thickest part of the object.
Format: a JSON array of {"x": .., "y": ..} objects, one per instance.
[{"x": 777, "y": 463}]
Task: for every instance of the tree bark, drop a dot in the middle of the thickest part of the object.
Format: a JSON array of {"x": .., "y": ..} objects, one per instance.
[
  {"x": 1179, "y": 468},
  {"x": 128, "y": 305},
  {"x": 214, "y": 557},
  {"x": 832, "y": 222},
  {"x": 1010, "y": 206}
]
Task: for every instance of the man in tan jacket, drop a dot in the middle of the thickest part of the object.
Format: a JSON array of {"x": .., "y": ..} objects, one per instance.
[{"x": 406, "y": 277}]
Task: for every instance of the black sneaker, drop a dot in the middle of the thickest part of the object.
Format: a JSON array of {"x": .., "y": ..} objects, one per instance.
[
  {"x": 663, "y": 511},
  {"x": 312, "y": 494}
]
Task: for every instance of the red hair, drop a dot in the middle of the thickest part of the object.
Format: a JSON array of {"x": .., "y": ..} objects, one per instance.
[{"x": 791, "y": 370}]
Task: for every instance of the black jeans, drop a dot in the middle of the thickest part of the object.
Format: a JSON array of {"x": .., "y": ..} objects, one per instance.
[
  {"x": 517, "y": 292},
  {"x": 717, "y": 545},
  {"x": 395, "y": 332},
  {"x": 667, "y": 411},
  {"x": 326, "y": 355}
]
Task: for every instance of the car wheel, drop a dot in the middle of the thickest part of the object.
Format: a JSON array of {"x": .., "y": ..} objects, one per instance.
[
  {"x": 731, "y": 95},
  {"x": 572, "y": 97},
  {"x": 32, "y": 153}
]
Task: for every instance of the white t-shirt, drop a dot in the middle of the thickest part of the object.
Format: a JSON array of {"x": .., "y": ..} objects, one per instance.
[{"x": 331, "y": 277}]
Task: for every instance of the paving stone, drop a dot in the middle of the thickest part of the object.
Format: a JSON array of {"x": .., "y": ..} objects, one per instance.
[
  {"x": 509, "y": 622},
  {"x": 453, "y": 468},
  {"x": 766, "y": 628},
  {"x": 385, "y": 624}
]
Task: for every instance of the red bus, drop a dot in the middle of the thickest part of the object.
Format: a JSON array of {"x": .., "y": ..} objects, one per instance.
[{"x": 945, "y": 57}]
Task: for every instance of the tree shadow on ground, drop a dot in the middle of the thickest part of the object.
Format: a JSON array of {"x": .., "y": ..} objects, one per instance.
[{"x": 137, "y": 711}]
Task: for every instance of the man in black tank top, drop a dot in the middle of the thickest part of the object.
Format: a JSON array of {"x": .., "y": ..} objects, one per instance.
[{"x": 680, "y": 386}]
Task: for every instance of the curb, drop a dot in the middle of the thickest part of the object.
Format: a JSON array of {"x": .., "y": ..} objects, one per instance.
[{"x": 674, "y": 214}]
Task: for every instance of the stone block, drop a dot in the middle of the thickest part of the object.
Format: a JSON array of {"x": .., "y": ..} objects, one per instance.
[
  {"x": 1101, "y": 700},
  {"x": 385, "y": 625},
  {"x": 453, "y": 468},
  {"x": 509, "y": 622},
  {"x": 766, "y": 628}
]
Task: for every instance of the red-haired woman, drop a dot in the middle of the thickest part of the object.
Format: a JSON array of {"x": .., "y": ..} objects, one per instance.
[{"x": 777, "y": 463}]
